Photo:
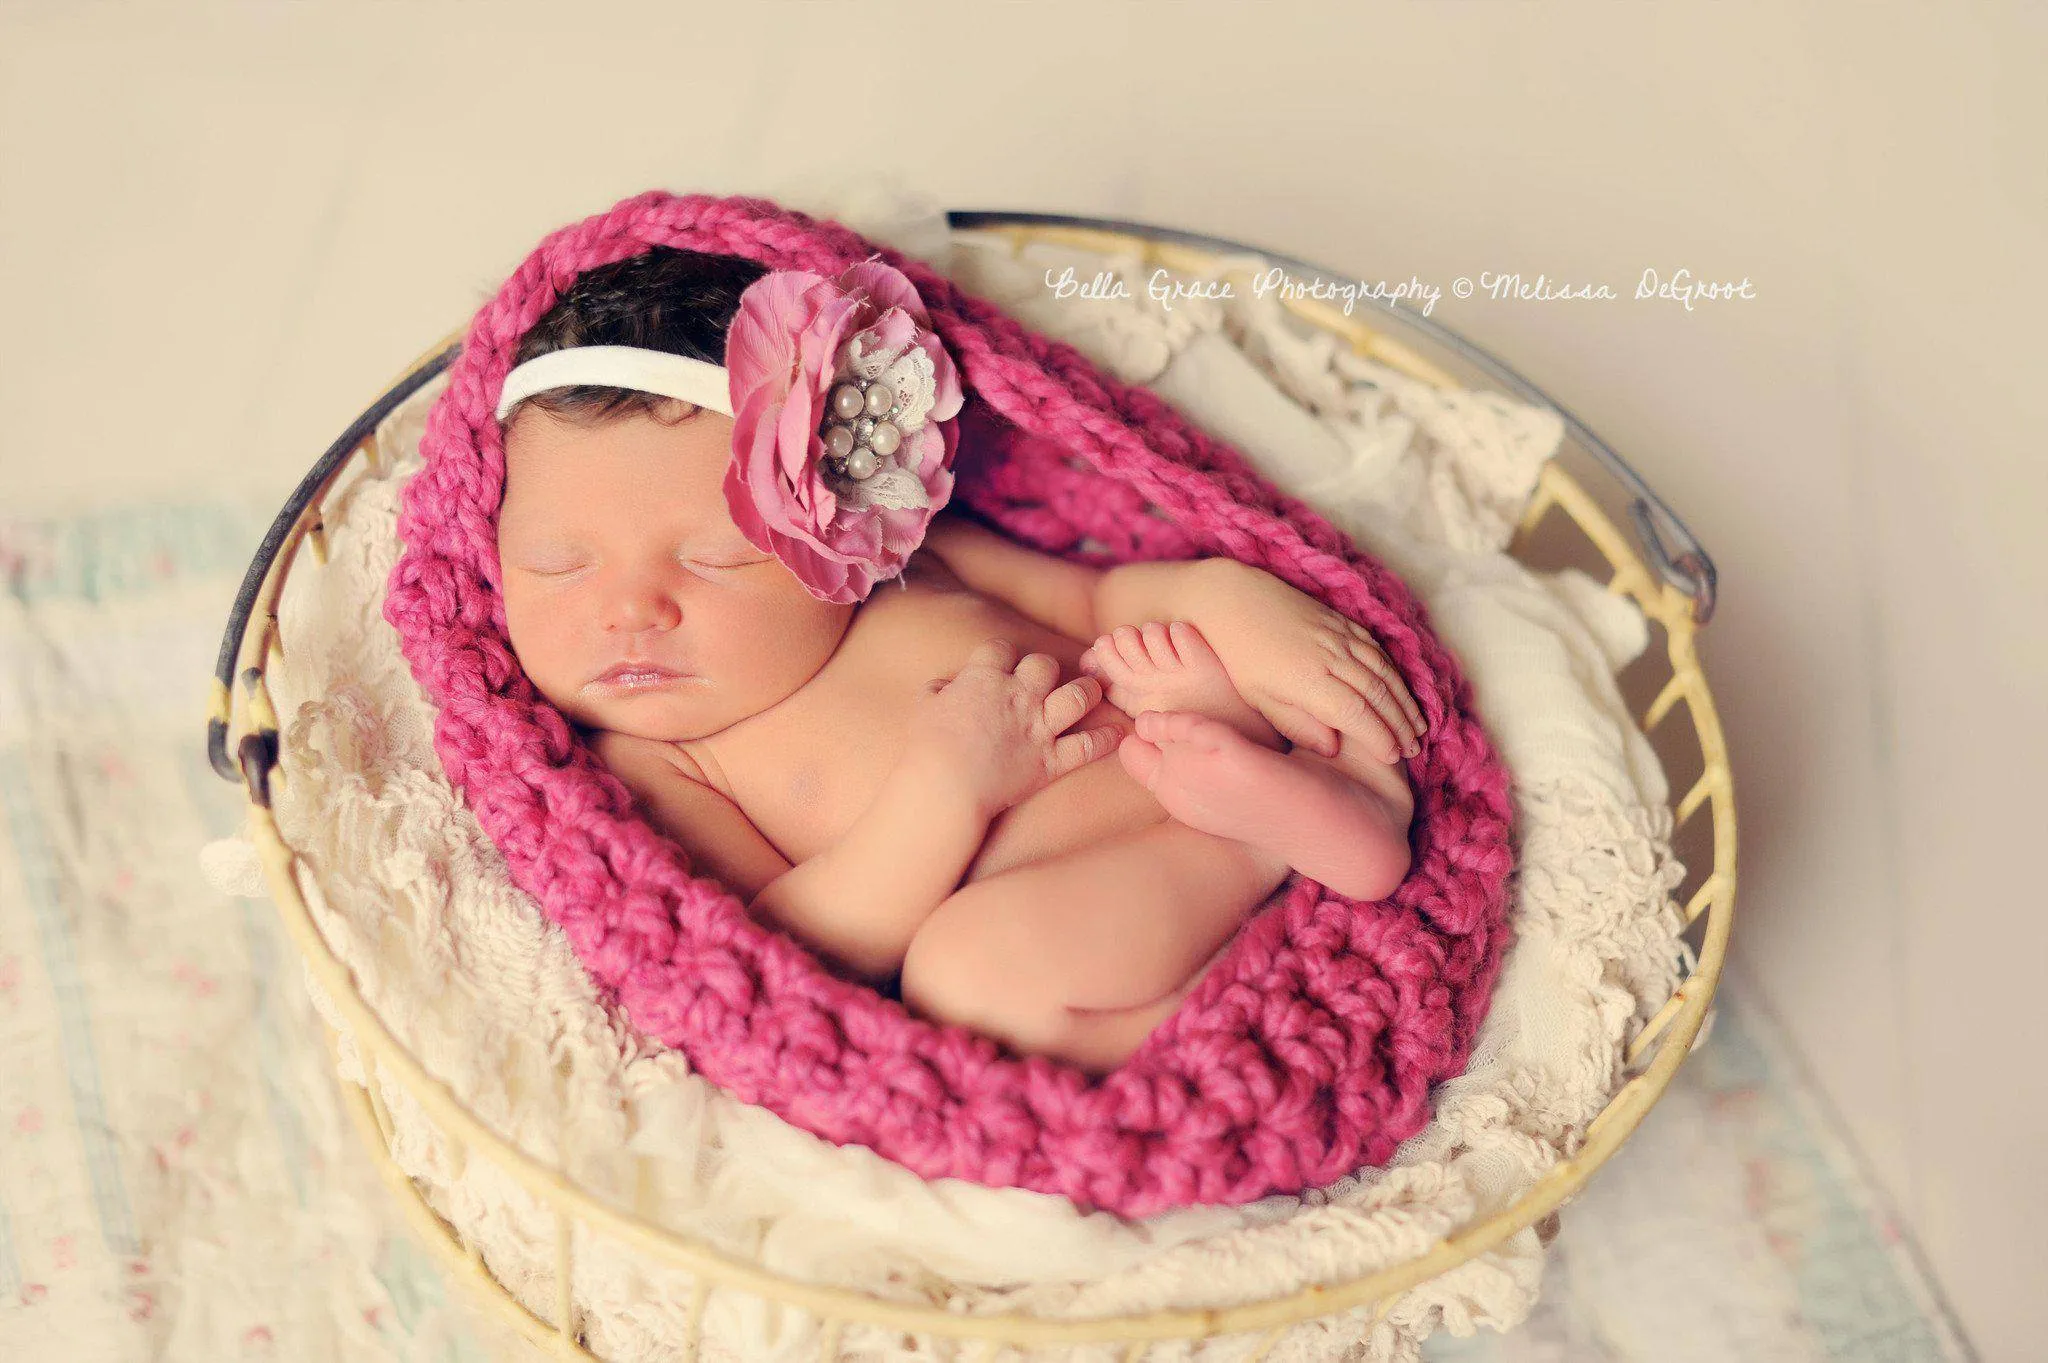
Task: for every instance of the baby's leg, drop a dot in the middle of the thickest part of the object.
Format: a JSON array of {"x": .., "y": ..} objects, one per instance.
[
  {"x": 1215, "y": 763},
  {"x": 1082, "y": 954}
]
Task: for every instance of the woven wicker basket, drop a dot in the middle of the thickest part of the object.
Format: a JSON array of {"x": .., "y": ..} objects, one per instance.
[{"x": 1675, "y": 590}]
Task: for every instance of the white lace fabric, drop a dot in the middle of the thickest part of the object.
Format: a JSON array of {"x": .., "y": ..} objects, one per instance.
[{"x": 466, "y": 972}]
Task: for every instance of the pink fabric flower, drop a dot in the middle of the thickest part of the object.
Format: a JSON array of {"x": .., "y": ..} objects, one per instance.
[{"x": 797, "y": 338}]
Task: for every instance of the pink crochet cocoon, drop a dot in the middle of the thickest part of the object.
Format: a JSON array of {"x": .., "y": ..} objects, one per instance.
[{"x": 1308, "y": 1050}]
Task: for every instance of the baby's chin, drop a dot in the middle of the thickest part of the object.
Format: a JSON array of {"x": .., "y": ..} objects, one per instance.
[
  {"x": 665, "y": 718},
  {"x": 664, "y": 724}
]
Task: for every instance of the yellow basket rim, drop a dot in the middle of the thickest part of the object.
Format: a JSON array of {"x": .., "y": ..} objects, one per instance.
[{"x": 245, "y": 657}]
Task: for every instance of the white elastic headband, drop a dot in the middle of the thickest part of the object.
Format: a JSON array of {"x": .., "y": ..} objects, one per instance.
[{"x": 620, "y": 366}]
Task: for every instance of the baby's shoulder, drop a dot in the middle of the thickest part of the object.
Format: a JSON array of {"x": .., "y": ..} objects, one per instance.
[{"x": 926, "y": 588}]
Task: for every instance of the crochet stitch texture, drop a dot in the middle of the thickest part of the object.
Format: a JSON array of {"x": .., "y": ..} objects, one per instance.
[{"x": 1309, "y": 1048}]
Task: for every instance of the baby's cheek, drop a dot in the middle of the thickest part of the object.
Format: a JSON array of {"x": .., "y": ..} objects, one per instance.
[{"x": 543, "y": 648}]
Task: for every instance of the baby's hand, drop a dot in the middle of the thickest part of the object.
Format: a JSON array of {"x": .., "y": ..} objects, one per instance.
[
  {"x": 997, "y": 725},
  {"x": 1311, "y": 671}
]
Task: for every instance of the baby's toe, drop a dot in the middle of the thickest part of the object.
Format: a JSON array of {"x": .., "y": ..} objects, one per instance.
[
  {"x": 1193, "y": 649},
  {"x": 1180, "y": 726},
  {"x": 1130, "y": 646},
  {"x": 1140, "y": 759},
  {"x": 1158, "y": 646},
  {"x": 1103, "y": 660}
]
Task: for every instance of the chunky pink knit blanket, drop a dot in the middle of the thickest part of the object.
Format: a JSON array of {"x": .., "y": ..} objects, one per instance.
[{"x": 1307, "y": 1051}]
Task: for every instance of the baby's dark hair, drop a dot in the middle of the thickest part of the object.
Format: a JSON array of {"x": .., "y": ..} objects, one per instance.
[{"x": 664, "y": 298}]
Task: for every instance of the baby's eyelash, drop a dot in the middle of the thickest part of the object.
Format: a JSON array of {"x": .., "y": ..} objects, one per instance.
[{"x": 698, "y": 562}]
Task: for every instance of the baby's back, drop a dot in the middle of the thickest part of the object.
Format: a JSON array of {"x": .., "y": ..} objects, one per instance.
[{"x": 803, "y": 771}]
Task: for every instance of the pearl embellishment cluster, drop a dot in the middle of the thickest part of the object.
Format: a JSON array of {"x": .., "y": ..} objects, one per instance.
[{"x": 861, "y": 436}]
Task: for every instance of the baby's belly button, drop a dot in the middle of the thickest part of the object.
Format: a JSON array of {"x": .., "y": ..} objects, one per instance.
[{"x": 1097, "y": 801}]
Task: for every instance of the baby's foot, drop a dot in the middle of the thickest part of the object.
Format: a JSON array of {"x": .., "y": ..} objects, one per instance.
[
  {"x": 1318, "y": 820},
  {"x": 1170, "y": 666}
]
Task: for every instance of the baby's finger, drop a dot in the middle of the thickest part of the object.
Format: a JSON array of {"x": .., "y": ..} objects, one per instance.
[
  {"x": 1375, "y": 658},
  {"x": 1367, "y": 650},
  {"x": 1078, "y": 750},
  {"x": 997, "y": 653},
  {"x": 1066, "y": 705},
  {"x": 1038, "y": 671},
  {"x": 1380, "y": 695},
  {"x": 1301, "y": 728},
  {"x": 1336, "y": 703}
]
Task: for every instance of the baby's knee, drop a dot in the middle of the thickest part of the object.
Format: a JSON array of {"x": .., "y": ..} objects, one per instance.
[
  {"x": 966, "y": 966},
  {"x": 931, "y": 965}
]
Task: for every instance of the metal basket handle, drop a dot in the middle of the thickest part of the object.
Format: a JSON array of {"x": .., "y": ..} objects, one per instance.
[{"x": 258, "y": 751}]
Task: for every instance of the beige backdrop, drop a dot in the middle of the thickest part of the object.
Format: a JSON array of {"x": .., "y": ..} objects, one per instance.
[{"x": 223, "y": 229}]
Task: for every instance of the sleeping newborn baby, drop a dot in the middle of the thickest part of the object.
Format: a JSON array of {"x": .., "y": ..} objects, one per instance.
[{"x": 917, "y": 784}]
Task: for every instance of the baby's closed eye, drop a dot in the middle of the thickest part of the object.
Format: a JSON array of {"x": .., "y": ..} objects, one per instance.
[
  {"x": 561, "y": 564},
  {"x": 550, "y": 567}
]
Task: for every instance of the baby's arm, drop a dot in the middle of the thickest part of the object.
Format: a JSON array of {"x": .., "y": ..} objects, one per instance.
[
  {"x": 1044, "y": 587},
  {"x": 862, "y": 899},
  {"x": 859, "y": 901}
]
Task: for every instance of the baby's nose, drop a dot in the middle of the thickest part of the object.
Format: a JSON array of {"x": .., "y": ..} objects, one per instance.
[{"x": 637, "y": 608}]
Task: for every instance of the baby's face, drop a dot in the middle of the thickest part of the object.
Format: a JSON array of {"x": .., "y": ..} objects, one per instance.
[{"x": 616, "y": 547}]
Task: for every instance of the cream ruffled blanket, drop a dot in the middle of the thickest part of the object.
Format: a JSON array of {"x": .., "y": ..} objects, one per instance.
[{"x": 460, "y": 964}]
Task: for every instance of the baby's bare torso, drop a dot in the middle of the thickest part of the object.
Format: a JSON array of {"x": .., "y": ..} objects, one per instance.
[{"x": 805, "y": 769}]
